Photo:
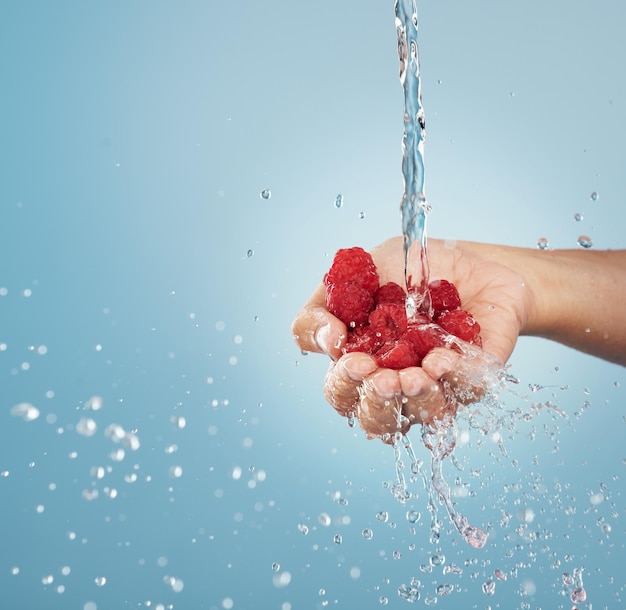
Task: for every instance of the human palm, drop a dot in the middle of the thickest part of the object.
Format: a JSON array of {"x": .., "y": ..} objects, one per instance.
[{"x": 387, "y": 401}]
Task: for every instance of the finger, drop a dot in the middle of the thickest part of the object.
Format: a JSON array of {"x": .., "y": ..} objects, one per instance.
[
  {"x": 315, "y": 329},
  {"x": 463, "y": 376},
  {"x": 341, "y": 386},
  {"x": 424, "y": 399},
  {"x": 380, "y": 406}
]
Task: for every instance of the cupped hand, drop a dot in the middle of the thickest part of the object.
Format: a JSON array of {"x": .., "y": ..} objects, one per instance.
[{"x": 389, "y": 401}]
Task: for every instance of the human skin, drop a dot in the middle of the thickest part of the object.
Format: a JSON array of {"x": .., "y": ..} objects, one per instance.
[{"x": 574, "y": 297}]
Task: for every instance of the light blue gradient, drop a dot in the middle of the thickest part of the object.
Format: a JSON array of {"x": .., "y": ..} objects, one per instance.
[{"x": 135, "y": 139}]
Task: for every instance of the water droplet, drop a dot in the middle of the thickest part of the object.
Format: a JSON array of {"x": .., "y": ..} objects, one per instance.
[
  {"x": 411, "y": 594},
  {"x": 578, "y": 217},
  {"x": 367, "y": 533},
  {"x": 339, "y": 201},
  {"x": 382, "y": 516},
  {"x": 324, "y": 519},
  {"x": 579, "y": 595},
  {"x": 361, "y": 215},
  {"x": 249, "y": 253},
  {"x": 542, "y": 243},
  {"x": 584, "y": 241},
  {"x": 413, "y": 516},
  {"x": 337, "y": 539},
  {"x": 26, "y": 411},
  {"x": 445, "y": 589},
  {"x": 275, "y": 566},
  {"x": 86, "y": 426},
  {"x": 266, "y": 194},
  {"x": 437, "y": 560},
  {"x": 100, "y": 581},
  {"x": 594, "y": 196},
  {"x": 500, "y": 575},
  {"x": 383, "y": 600},
  {"x": 302, "y": 528}
]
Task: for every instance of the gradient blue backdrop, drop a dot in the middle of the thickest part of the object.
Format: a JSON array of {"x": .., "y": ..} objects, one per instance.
[{"x": 138, "y": 263}]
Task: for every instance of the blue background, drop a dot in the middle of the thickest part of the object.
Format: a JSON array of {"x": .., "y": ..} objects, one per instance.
[{"x": 138, "y": 263}]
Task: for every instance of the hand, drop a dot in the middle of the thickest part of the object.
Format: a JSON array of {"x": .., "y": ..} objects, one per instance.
[{"x": 388, "y": 401}]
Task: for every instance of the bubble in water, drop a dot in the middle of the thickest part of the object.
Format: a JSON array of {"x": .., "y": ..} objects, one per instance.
[
  {"x": 302, "y": 528},
  {"x": 367, "y": 533},
  {"x": 250, "y": 253},
  {"x": 337, "y": 539},
  {"x": 594, "y": 196},
  {"x": 265, "y": 194},
  {"x": 584, "y": 241},
  {"x": 542, "y": 243},
  {"x": 100, "y": 581},
  {"x": 275, "y": 566},
  {"x": 339, "y": 201},
  {"x": 383, "y": 600},
  {"x": 175, "y": 584},
  {"x": 445, "y": 589},
  {"x": 489, "y": 587},
  {"x": 578, "y": 217}
]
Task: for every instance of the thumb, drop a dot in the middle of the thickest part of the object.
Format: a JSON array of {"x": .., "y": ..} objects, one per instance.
[{"x": 315, "y": 329}]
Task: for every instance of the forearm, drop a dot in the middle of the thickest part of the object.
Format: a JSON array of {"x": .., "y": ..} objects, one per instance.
[{"x": 578, "y": 298}]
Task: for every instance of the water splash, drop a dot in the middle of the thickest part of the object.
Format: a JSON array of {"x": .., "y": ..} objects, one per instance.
[{"x": 440, "y": 439}]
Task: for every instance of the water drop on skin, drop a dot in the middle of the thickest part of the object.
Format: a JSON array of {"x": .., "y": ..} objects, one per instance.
[
  {"x": 265, "y": 194},
  {"x": 542, "y": 243}
]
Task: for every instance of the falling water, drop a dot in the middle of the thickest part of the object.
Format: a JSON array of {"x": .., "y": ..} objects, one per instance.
[{"x": 414, "y": 206}]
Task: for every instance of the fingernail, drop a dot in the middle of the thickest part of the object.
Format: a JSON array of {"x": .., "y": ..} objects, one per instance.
[
  {"x": 358, "y": 367},
  {"x": 439, "y": 363},
  {"x": 322, "y": 338}
]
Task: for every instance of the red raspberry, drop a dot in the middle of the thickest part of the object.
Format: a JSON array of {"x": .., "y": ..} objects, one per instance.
[
  {"x": 388, "y": 319},
  {"x": 397, "y": 355},
  {"x": 363, "y": 339},
  {"x": 461, "y": 324},
  {"x": 349, "y": 302},
  {"x": 390, "y": 293},
  {"x": 424, "y": 337},
  {"x": 443, "y": 297},
  {"x": 353, "y": 265}
]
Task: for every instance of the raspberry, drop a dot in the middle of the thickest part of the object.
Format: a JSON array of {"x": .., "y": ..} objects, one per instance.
[
  {"x": 389, "y": 320},
  {"x": 398, "y": 355},
  {"x": 350, "y": 302},
  {"x": 443, "y": 297},
  {"x": 363, "y": 339},
  {"x": 376, "y": 315},
  {"x": 461, "y": 324},
  {"x": 353, "y": 265},
  {"x": 390, "y": 293},
  {"x": 424, "y": 337}
]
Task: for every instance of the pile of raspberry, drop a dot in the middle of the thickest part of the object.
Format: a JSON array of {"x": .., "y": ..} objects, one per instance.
[{"x": 376, "y": 316}]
